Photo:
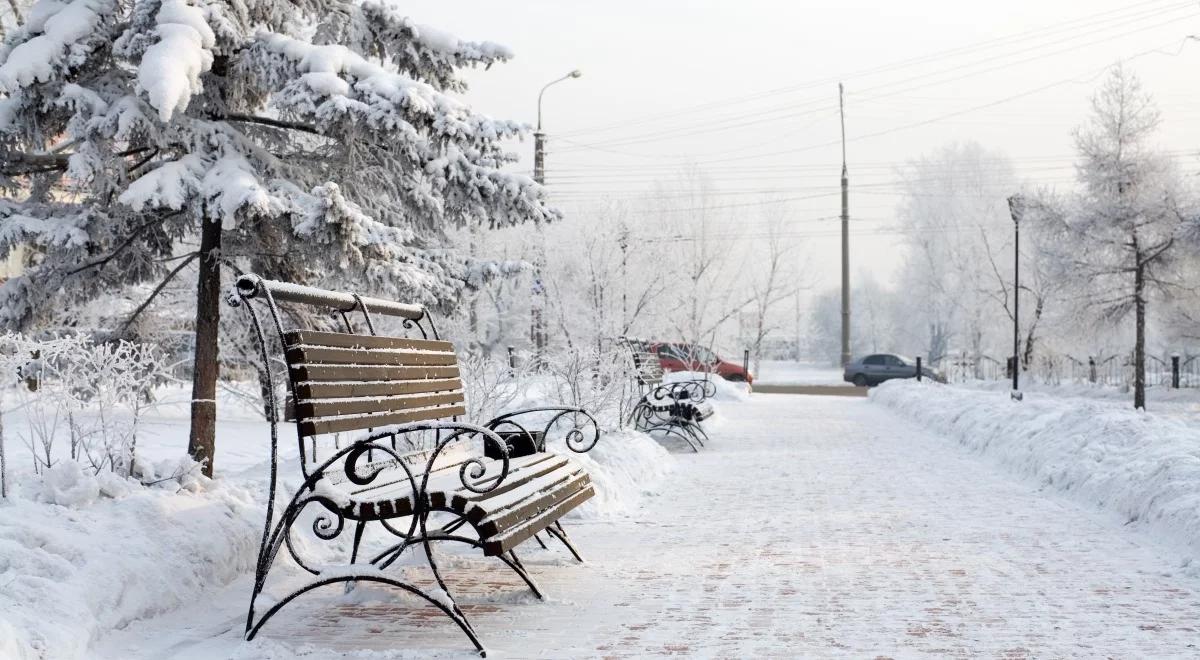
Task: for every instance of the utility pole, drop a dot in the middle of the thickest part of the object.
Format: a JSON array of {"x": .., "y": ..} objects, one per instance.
[{"x": 845, "y": 234}]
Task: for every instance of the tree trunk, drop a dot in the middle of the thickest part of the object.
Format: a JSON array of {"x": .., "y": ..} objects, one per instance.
[
  {"x": 3, "y": 467},
  {"x": 202, "y": 442},
  {"x": 1030, "y": 337},
  {"x": 1139, "y": 345}
]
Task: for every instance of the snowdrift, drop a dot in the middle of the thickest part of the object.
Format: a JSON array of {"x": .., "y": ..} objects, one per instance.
[
  {"x": 82, "y": 555},
  {"x": 111, "y": 554},
  {"x": 1140, "y": 466}
]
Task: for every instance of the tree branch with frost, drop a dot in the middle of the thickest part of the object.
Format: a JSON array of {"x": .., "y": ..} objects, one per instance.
[{"x": 157, "y": 290}]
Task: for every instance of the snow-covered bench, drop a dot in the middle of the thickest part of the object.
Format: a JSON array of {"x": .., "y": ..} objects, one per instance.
[
  {"x": 409, "y": 467},
  {"x": 672, "y": 408}
]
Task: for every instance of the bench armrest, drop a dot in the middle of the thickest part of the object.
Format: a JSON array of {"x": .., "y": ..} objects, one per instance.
[
  {"x": 685, "y": 390},
  {"x": 576, "y": 436},
  {"x": 469, "y": 472}
]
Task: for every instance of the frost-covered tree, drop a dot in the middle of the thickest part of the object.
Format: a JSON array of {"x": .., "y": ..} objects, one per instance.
[
  {"x": 1120, "y": 240},
  {"x": 319, "y": 141},
  {"x": 954, "y": 216}
]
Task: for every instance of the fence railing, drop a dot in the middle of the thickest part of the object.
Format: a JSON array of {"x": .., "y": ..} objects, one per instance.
[{"x": 1175, "y": 370}]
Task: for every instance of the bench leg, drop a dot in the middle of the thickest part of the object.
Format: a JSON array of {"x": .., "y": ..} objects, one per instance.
[
  {"x": 520, "y": 569},
  {"x": 542, "y": 543},
  {"x": 673, "y": 430},
  {"x": 693, "y": 429},
  {"x": 358, "y": 532},
  {"x": 556, "y": 530}
]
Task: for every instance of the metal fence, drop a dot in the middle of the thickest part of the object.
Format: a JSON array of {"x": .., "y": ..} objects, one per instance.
[{"x": 1172, "y": 370}]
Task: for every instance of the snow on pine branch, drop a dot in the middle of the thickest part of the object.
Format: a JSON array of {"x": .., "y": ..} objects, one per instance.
[
  {"x": 170, "y": 69},
  {"x": 331, "y": 83},
  {"x": 55, "y": 228},
  {"x": 56, "y": 35},
  {"x": 419, "y": 50}
]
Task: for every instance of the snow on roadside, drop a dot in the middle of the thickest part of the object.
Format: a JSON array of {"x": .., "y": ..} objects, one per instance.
[
  {"x": 117, "y": 553},
  {"x": 1140, "y": 466},
  {"x": 788, "y": 372}
]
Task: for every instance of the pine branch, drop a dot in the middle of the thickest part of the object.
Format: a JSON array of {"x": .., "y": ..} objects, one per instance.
[
  {"x": 124, "y": 244},
  {"x": 267, "y": 121},
  {"x": 154, "y": 294}
]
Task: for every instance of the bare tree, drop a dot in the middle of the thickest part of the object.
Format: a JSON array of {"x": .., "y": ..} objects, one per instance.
[{"x": 777, "y": 280}]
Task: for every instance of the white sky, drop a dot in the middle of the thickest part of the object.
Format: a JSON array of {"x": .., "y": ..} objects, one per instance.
[{"x": 766, "y": 73}]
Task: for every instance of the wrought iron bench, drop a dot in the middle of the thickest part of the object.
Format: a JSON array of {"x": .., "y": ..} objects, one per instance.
[
  {"x": 413, "y": 470},
  {"x": 674, "y": 409}
]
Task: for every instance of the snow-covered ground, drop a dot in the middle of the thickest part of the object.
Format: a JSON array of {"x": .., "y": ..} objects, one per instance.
[
  {"x": 810, "y": 527},
  {"x": 1184, "y": 402},
  {"x": 82, "y": 556},
  {"x": 1142, "y": 468},
  {"x": 788, "y": 372}
]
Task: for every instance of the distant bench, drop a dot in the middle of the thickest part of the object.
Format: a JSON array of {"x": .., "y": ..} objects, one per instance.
[
  {"x": 674, "y": 409},
  {"x": 412, "y": 467}
]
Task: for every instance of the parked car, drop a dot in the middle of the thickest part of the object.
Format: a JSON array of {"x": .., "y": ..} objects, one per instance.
[
  {"x": 874, "y": 369},
  {"x": 689, "y": 357}
]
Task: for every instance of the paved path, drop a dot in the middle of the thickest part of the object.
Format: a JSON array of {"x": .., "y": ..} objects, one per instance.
[{"x": 811, "y": 527}]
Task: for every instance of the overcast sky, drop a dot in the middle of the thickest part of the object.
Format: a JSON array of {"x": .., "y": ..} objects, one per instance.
[{"x": 747, "y": 91}]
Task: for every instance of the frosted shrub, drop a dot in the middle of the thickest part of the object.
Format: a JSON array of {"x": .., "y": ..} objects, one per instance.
[
  {"x": 94, "y": 394},
  {"x": 492, "y": 387},
  {"x": 598, "y": 381}
]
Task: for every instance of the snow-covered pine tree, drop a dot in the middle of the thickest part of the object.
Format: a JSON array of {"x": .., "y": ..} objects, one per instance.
[
  {"x": 1121, "y": 238},
  {"x": 313, "y": 140}
]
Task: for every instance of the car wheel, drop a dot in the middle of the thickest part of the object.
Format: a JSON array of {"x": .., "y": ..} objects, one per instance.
[{"x": 860, "y": 380}]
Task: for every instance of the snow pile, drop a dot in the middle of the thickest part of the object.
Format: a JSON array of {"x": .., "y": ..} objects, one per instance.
[
  {"x": 1124, "y": 395},
  {"x": 623, "y": 466},
  {"x": 117, "y": 552},
  {"x": 1140, "y": 466}
]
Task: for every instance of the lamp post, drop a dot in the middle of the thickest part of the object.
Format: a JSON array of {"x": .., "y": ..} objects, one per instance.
[
  {"x": 1015, "y": 209},
  {"x": 537, "y": 326},
  {"x": 539, "y": 138}
]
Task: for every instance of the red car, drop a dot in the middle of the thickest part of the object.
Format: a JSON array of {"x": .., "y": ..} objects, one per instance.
[{"x": 689, "y": 357}]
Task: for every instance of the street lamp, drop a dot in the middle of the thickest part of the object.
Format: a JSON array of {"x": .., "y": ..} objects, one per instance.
[
  {"x": 539, "y": 138},
  {"x": 537, "y": 329},
  {"x": 1016, "y": 207}
]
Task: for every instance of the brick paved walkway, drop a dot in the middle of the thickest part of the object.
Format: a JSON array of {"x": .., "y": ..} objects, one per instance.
[{"x": 812, "y": 527}]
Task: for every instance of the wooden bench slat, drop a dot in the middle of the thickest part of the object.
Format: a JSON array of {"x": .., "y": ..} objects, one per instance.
[
  {"x": 489, "y": 506},
  {"x": 311, "y": 427},
  {"x": 504, "y": 520},
  {"x": 345, "y": 340},
  {"x": 361, "y": 356},
  {"x": 461, "y": 498},
  {"x": 337, "y": 372},
  {"x": 498, "y": 545},
  {"x": 319, "y": 390},
  {"x": 375, "y": 404}
]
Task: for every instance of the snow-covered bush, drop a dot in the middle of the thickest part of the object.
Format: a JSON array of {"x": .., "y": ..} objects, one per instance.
[{"x": 92, "y": 393}]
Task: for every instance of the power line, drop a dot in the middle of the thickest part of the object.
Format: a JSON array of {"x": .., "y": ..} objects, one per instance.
[{"x": 1119, "y": 15}]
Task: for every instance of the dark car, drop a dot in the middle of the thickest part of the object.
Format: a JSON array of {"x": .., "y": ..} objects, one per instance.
[
  {"x": 689, "y": 357},
  {"x": 874, "y": 369}
]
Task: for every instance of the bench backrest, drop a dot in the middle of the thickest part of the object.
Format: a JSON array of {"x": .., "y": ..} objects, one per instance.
[
  {"x": 349, "y": 382},
  {"x": 646, "y": 366}
]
